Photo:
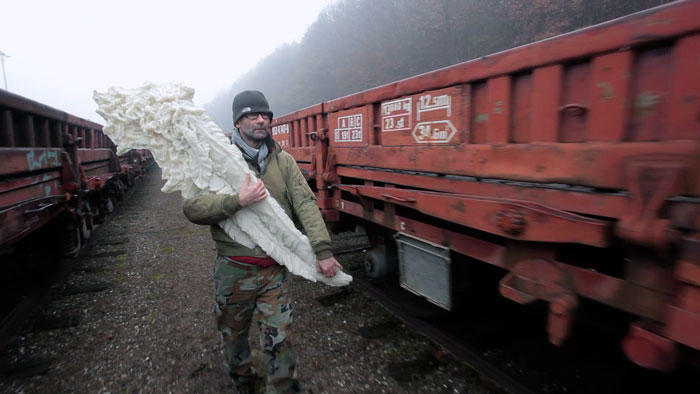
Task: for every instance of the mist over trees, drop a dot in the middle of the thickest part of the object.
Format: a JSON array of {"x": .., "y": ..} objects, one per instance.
[{"x": 359, "y": 44}]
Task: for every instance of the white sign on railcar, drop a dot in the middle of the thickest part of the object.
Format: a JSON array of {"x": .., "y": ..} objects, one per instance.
[
  {"x": 429, "y": 102},
  {"x": 435, "y": 132},
  {"x": 349, "y": 129},
  {"x": 281, "y": 134},
  {"x": 396, "y": 115}
]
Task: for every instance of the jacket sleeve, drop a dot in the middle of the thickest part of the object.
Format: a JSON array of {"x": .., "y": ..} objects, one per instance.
[
  {"x": 210, "y": 209},
  {"x": 304, "y": 204}
]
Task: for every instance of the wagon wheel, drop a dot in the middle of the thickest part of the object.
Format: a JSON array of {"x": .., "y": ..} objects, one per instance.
[
  {"x": 377, "y": 265},
  {"x": 72, "y": 242},
  {"x": 109, "y": 205},
  {"x": 85, "y": 231}
]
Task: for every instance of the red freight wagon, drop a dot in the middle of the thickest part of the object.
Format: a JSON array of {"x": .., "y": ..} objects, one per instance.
[
  {"x": 56, "y": 169},
  {"x": 572, "y": 163},
  {"x": 59, "y": 175}
]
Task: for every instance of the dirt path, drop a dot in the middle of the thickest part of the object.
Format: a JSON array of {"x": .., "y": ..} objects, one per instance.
[{"x": 152, "y": 330}]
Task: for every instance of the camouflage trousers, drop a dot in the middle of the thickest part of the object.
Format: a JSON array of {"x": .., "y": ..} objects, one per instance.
[{"x": 244, "y": 292}]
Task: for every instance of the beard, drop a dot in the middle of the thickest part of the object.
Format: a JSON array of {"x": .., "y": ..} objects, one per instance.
[{"x": 256, "y": 132}]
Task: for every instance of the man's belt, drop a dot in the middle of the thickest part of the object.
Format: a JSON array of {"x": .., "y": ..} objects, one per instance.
[{"x": 252, "y": 260}]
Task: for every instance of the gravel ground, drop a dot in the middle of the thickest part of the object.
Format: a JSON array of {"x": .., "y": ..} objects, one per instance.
[{"x": 152, "y": 328}]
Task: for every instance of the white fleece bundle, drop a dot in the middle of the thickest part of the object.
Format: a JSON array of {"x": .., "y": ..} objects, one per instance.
[{"x": 198, "y": 159}]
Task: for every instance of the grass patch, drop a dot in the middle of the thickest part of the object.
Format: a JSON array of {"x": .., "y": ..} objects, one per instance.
[
  {"x": 121, "y": 277},
  {"x": 158, "y": 277},
  {"x": 404, "y": 347},
  {"x": 71, "y": 368},
  {"x": 155, "y": 296}
]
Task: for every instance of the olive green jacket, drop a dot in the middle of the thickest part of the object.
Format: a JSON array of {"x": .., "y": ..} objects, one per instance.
[{"x": 286, "y": 185}]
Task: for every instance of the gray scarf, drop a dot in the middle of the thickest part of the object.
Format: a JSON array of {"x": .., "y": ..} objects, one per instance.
[{"x": 256, "y": 156}]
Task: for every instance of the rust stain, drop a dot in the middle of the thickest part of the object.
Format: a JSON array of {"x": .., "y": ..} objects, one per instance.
[
  {"x": 481, "y": 118},
  {"x": 498, "y": 109},
  {"x": 645, "y": 104},
  {"x": 606, "y": 91}
]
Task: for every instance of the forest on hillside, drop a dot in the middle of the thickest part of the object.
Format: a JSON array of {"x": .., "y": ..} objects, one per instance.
[{"x": 359, "y": 44}]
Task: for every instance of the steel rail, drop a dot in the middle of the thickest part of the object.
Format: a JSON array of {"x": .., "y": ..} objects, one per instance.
[{"x": 444, "y": 339}]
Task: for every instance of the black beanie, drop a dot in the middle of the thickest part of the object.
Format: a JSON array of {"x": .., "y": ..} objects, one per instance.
[{"x": 249, "y": 101}]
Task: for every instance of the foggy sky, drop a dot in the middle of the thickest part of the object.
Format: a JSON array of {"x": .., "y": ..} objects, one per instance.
[{"x": 61, "y": 51}]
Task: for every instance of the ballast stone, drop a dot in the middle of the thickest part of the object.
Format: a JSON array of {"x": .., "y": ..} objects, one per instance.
[{"x": 197, "y": 159}]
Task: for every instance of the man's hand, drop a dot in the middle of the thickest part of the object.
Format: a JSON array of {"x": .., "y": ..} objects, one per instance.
[
  {"x": 328, "y": 267},
  {"x": 250, "y": 194}
]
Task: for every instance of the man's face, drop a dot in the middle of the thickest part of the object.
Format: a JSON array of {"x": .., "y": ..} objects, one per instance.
[{"x": 254, "y": 128}]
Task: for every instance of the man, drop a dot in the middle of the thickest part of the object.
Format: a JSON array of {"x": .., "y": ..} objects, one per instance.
[{"x": 249, "y": 284}]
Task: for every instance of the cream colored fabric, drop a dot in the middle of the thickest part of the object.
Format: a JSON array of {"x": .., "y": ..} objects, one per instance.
[{"x": 197, "y": 158}]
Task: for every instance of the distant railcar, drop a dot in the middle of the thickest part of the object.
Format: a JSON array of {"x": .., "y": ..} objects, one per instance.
[
  {"x": 573, "y": 164},
  {"x": 57, "y": 170}
]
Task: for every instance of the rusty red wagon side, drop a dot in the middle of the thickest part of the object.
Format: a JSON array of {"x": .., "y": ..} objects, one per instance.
[
  {"x": 571, "y": 163},
  {"x": 59, "y": 177},
  {"x": 56, "y": 168}
]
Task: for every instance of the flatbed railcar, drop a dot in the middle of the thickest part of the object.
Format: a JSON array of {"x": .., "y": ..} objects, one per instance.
[
  {"x": 572, "y": 164},
  {"x": 57, "y": 168},
  {"x": 59, "y": 178}
]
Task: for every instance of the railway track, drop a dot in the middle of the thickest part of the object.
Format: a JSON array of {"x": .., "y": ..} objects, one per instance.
[
  {"x": 135, "y": 337},
  {"x": 440, "y": 336},
  {"x": 446, "y": 340},
  {"x": 22, "y": 301}
]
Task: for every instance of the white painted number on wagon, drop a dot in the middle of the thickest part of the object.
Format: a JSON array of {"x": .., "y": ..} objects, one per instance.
[
  {"x": 396, "y": 115},
  {"x": 439, "y": 131},
  {"x": 349, "y": 129},
  {"x": 283, "y": 132},
  {"x": 428, "y": 102}
]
